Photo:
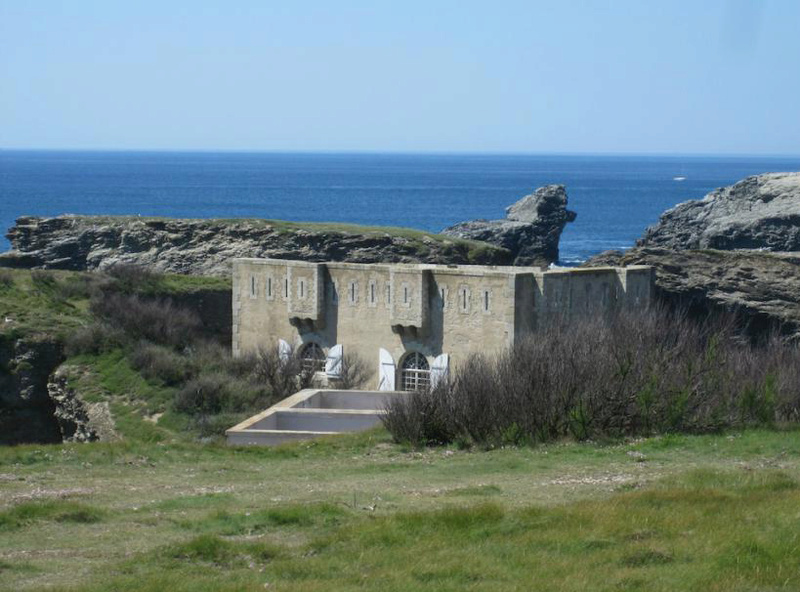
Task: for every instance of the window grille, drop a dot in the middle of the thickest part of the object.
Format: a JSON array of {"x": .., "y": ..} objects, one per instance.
[
  {"x": 312, "y": 357},
  {"x": 415, "y": 373}
]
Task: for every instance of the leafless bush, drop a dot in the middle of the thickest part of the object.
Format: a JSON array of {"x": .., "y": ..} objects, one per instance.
[
  {"x": 354, "y": 373},
  {"x": 420, "y": 419},
  {"x": 283, "y": 374},
  {"x": 159, "y": 321},
  {"x": 638, "y": 373}
]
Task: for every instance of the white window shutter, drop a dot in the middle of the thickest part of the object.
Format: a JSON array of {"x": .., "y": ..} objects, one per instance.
[
  {"x": 386, "y": 371},
  {"x": 440, "y": 370},
  {"x": 333, "y": 362},
  {"x": 284, "y": 351}
]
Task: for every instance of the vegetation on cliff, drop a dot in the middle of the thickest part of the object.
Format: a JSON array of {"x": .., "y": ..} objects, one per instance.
[
  {"x": 206, "y": 247},
  {"x": 131, "y": 341}
]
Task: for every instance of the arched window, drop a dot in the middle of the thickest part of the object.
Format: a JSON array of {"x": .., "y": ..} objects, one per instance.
[
  {"x": 415, "y": 373},
  {"x": 312, "y": 357}
]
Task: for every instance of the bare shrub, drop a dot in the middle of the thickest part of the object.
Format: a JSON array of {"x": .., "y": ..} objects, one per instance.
[
  {"x": 94, "y": 339},
  {"x": 636, "y": 373},
  {"x": 157, "y": 320},
  {"x": 420, "y": 419},
  {"x": 283, "y": 376},
  {"x": 354, "y": 372}
]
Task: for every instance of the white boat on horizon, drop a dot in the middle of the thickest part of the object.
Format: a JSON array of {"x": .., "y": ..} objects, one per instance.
[{"x": 679, "y": 178}]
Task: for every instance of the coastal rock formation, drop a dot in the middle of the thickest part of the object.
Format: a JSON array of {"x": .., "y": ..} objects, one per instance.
[
  {"x": 759, "y": 212},
  {"x": 531, "y": 230},
  {"x": 762, "y": 288},
  {"x": 206, "y": 247}
]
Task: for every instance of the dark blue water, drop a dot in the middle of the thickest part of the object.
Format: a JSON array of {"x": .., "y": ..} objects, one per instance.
[{"x": 615, "y": 197}]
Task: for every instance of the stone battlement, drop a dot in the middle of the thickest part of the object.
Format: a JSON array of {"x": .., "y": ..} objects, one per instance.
[{"x": 389, "y": 313}]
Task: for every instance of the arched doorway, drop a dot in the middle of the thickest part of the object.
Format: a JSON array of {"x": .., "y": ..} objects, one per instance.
[
  {"x": 312, "y": 357},
  {"x": 415, "y": 373}
]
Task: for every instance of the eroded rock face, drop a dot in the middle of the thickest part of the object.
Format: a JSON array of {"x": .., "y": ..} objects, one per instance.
[
  {"x": 763, "y": 288},
  {"x": 759, "y": 212},
  {"x": 531, "y": 230},
  {"x": 78, "y": 420},
  {"x": 26, "y": 410},
  {"x": 206, "y": 247}
]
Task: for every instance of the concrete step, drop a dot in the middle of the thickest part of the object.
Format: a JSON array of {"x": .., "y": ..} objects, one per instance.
[
  {"x": 312, "y": 413},
  {"x": 319, "y": 420}
]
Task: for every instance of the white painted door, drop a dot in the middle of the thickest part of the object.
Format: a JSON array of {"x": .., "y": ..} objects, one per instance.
[
  {"x": 284, "y": 351},
  {"x": 440, "y": 370},
  {"x": 333, "y": 362}
]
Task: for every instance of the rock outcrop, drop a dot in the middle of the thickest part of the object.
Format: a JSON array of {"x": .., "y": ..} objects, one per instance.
[
  {"x": 37, "y": 405},
  {"x": 27, "y": 413},
  {"x": 762, "y": 288},
  {"x": 78, "y": 420},
  {"x": 531, "y": 230},
  {"x": 206, "y": 247},
  {"x": 759, "y": 212}
]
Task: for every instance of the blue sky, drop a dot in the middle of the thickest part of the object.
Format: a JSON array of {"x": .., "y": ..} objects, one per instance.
[{"x": 710, "y": 76}]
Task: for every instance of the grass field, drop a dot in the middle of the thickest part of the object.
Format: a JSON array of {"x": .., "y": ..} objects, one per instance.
[{"x": 358, "y": 512}]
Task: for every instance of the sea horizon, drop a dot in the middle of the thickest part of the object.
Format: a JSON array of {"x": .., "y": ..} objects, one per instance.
[{"x": 616, "y": 196}]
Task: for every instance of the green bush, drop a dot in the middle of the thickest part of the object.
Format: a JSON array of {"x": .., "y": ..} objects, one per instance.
[
  {"x": 159, "y": 363},
  {"x": 205, "y": 395}
]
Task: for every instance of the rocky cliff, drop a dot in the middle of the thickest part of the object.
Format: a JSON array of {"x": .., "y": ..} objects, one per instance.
[
  {"x": 531, "y": 230},
  {"x": 206, "y": 247},
  {"x": 762, "y": 288},
  {"x": 759, "y": 212},
  {"x": 27, "y": 413},
  {"x": 716, "y": 253}
]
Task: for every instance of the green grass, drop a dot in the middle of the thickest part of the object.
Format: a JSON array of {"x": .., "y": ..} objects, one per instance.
[
  {"x": 26, "y": 514},
  {"x": 53, "y": 303},
  {"x": 42, "y": 303},
  {"x": 110, "y": 377},
  {"x": 176, "y": 285},
  {"x": 716, "y": 512}
]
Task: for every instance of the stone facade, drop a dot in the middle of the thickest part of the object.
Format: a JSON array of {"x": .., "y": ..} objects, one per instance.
[{"x": 385, "y": 313}]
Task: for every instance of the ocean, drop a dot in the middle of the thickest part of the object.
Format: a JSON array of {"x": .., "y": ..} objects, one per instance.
[{"x": 616, "y": 197}]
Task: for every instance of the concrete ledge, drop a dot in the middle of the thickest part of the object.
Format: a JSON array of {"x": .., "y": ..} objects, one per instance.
[{"x": 312, "y": 413}]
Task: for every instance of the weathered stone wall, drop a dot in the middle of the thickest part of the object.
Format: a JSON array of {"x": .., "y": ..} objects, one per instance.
[{"x": 428, "y": 309}]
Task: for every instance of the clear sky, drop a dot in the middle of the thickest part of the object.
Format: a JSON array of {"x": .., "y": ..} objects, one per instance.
[{"x": 617, "y": 76}]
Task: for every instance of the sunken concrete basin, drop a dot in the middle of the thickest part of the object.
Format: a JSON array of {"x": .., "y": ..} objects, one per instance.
[{"x": 311, "y": 413}]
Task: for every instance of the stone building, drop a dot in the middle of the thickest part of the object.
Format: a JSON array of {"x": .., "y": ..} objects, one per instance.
[{"x": 412, "y": 322}]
